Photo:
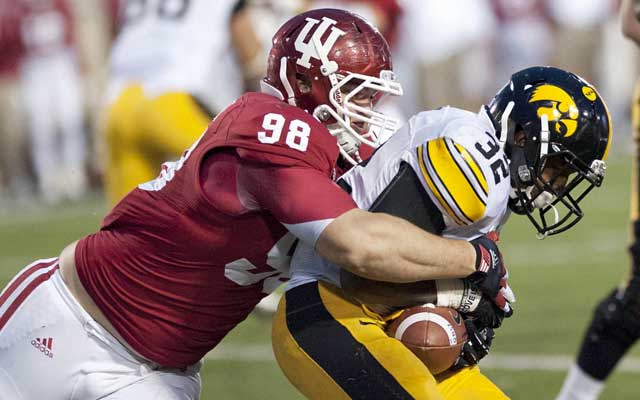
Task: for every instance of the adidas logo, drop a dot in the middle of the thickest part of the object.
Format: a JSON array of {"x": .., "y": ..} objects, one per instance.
[
  {"x": 485, "y": 260},
  {"x": 45, "y": 345},
  {"x": 484, "y": 266}
]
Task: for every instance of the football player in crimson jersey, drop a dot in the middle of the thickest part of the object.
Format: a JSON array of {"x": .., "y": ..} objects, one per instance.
[
  {"x": 537, "y": 149},
  {"x": 128, "y": 312}
]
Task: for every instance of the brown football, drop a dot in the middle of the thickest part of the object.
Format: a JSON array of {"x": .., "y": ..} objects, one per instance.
[{"x": 434, "y": 334}]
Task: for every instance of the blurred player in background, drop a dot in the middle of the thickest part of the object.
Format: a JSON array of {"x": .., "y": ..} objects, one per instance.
[
  {"x": 440, "y": 65},
  {"x": 172, "y": 69},
  {"x": 52, "y": 92},
  {"x": 446, "y": 172},
  {"x": 520, "y": 27},
  {"x": 615, "y": 326},
  {"x": 252, "y": 27},
  {"x": 128, "y": 312},
  {"x": 14, "y": 177},
  {"x": 578, "y": 32},
  {"x": 95, "y": 29}
]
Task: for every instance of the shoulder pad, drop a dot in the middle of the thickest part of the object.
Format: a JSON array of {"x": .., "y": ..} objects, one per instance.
[
  {"x": 455, "y": 178},
  {"x": 269, "y": 129}
]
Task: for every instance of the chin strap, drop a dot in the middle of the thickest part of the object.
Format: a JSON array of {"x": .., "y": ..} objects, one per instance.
[
  {"x": 291, "y": 97},
  {"x": 347, "y": 144}
]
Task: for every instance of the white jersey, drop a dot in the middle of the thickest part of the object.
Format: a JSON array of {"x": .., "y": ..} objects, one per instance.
[
  {"x": 460, "y": 164},
  {"x": 177, "y": 45}
]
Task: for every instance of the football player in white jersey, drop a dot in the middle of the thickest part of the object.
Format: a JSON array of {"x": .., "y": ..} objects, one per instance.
[
  {"x": 171, "y": 70},
  {"x": 537, "y": 149}
]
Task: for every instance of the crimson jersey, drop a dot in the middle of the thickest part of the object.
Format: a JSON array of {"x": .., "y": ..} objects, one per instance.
[
  {"x": 11, "y": 46},
  {"x": 183, "y": 259}
]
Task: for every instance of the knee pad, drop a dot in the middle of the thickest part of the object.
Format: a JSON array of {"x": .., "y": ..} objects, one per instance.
[
  {"x": 634, "y": 249},
  {"x": 618, "y": 316}
]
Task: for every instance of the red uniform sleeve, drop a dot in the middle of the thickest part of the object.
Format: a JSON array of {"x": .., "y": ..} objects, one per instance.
[{"x": 302, "y": 199}]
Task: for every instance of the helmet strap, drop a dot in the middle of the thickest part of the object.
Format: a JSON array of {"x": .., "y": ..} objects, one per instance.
[
  {"x": 556, "y": 215},
  {"x": 291, "y": 97},
  {"x": 348, "y": 146}
]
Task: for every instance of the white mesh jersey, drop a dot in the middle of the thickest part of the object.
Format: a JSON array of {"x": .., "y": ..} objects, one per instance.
[
  {"x": 460, "y": 164},
  {"x": 177, "y": 45}
]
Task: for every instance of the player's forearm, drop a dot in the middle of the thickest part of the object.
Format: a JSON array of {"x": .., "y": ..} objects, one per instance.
[
  {"x": 400, "y": 295},
  {"x": 382, "y": 247}
]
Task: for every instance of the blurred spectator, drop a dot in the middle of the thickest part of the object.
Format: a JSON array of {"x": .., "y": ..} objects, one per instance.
[
  {"x": 384, "y": 14},
  {"x": 52, "y": 96},
  {"x": 524, "y": 35},
  {"x": 95, "y": 28},
  {"x": 615, "y": 67},
  {"x": 578, "y": 35},
  {"x": 253, "y": 24},
  {"x": 441, "y": 54},
  {"x": 171, "y": 70},
  {"x": 14, "y": 176}
]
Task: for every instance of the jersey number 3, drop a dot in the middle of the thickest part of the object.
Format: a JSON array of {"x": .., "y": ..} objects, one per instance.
[
  {"x": 297, "y": 134},
  {"x": 500, "y": 165}
]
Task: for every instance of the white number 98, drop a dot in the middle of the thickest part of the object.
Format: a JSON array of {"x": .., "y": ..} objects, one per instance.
[{"x": 297, "y": 136}]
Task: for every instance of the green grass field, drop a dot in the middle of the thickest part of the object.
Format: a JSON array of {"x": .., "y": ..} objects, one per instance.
[{"x": 557, "y": 282}]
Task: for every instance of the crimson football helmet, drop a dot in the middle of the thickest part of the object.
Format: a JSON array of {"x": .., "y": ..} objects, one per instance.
[
  {"x": 334, "y": 64},
  {"x": 548, "y": 117}
]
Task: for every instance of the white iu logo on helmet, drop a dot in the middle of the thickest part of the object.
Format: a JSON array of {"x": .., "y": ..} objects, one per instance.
[{"x": 314, "y": 47}]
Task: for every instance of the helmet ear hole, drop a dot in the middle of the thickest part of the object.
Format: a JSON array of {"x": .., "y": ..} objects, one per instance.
[
  {"x": 520, "y": 137},
  {"x": 303, "y": 83}
]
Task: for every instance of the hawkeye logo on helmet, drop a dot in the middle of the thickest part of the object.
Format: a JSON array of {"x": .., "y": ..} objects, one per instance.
[
  {"x": 562, "y": 109},
  {"x": 314, "y": 48}
]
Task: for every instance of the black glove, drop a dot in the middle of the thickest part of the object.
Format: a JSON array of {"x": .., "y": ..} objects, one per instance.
[
  {"x": 488, "y": 314},
  {"x": 491, "y": 274},
  {"x": 477, "y": 346}
]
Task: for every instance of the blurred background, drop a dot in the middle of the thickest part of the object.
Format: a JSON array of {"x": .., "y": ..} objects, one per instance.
[{"x": 57, "y": 78}]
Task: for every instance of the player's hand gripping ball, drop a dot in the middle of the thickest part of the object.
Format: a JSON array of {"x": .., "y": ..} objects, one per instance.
[{"x": 434, "y": 334}]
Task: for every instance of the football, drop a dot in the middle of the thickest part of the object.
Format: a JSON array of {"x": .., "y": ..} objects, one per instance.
[{"x": 434, "y": 334}]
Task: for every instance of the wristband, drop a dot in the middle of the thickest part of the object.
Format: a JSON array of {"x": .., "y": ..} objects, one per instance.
[{"x": 457, "y": 294}]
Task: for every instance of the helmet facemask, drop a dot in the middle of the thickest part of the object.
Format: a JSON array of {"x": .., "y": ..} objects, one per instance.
[
  {"x": 552, "y": 202},
  {"x": 549, "y": 188},
  {"x": 352, "y": 101}
]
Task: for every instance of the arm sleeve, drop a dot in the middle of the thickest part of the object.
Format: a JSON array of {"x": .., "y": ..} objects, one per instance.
[{"x": 303, "y": 199}]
